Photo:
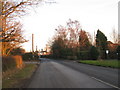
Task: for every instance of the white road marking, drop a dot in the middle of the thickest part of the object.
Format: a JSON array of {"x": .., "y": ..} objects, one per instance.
[{"x": 106, "y": 83}]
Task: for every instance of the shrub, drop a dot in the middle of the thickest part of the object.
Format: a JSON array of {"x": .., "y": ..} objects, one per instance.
[
  {"x": 72, "y": 57},
  {"x": 36, "y": 57},
  {"x": 11, "y": 62},
  {"x": 8, "y": 62},
  {"x": 118, "y": 52},
  {"x": 93, "y": 53},
  {"x": 83, "y": 55},
  {"x": 19, "y": 61},
  {"x": 27, "y": 56},
  {"x": 18, "y": 51},
  {"x": 112, "y": 55}
]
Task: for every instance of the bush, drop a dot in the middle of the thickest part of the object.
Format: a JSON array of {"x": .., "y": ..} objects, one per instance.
[
  {"x": 83, "y": 55},
  {"x": 93, "y": 53},
  {"x": 45, "y": 56},
  {"x": 72, "y": 57},
  {"x": 11, "y": 62},
  {"x": 27, "y": 56},
  {"x": 36, "y": 57},
  {"x": 19, "y": 61},
  {"x": 18, "y": 51},
  {"x": 112, "y": 55},
  {"x": 118, "y": 52},
  {"x": 8, "y": 62}
]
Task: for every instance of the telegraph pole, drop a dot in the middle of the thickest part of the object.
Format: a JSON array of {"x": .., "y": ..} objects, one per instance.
[
  {"x": 36, "y": 48},
  {"x": 32, "y": 43}
]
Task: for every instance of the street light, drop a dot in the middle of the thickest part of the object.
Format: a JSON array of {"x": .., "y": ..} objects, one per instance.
[
  {"x": 117, "y": 55},
  {"x": 107, "y": 51}
]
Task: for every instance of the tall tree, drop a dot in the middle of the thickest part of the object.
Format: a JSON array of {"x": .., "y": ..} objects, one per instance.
[
  {"x": 69, "y": 39},
  {"x": 84, "y": 42},
  {"x": 58, "y": 47},
  {"x": 114, "y": 36},
  {"x": 11, "y": 34},
  {"x": 101, "y": 43},
  {"x": 73, "y": 29}
]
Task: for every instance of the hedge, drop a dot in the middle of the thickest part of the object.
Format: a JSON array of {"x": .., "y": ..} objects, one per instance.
[{"x": 11, "y": 62}]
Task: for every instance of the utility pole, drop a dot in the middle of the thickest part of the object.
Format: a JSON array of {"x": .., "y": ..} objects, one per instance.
[
  {"x": 94, "y": 39},
  {"x": 119, "y": 22},
  {"x": 32, "y": 43},
  {"x": 36, "y": 48}
]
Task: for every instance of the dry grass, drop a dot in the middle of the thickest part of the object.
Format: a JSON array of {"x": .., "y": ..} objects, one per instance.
[{"x": 16, "y": 80}]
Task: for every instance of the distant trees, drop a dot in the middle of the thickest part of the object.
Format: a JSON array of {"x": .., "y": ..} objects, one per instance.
[
  {"x": 18, "y": 51},
  {"x": 58, "y": 47},
  {"x": 84, "y": 42},
  {"x": 101, "y": 44},
  {"x": 11, "y": 32},
  {"x": 69, "y": 40},
  {"x": 73, "y": 29},
  {"x": 72, "y": 42},
  {"x": 114, "y": 36}
]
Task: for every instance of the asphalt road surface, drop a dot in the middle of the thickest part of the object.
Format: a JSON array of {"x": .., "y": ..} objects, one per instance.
[{"x": 70, "y": 74}]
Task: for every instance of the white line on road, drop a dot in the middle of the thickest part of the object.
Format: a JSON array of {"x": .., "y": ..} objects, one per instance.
[{"x": 106, "y": 83}]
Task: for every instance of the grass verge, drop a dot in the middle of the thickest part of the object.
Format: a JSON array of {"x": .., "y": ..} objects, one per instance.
[
  {"x": 105, "y": 63},
  {"x": 17, "y": 79}
]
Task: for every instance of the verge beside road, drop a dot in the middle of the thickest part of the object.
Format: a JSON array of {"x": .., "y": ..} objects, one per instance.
[
  {"x": 19, "y": 78},
  {"x": 104, "y": 63}
]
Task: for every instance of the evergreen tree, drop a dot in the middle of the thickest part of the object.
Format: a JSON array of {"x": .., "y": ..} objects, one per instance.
[
  {"x": 101, "y": 43},
  {"x": 58, "y": 48}
]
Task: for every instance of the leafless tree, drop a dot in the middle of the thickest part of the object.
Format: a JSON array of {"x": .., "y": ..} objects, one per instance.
[
  {"x": 114, "y": 36},
  {"x": 11, "y": 31},
  {"x": 73, "y": 29}
]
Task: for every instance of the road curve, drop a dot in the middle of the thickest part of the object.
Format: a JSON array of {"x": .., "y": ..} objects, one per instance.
[
  {"x": 106, "y": 74},
  {"x": 53, "y": 74}
]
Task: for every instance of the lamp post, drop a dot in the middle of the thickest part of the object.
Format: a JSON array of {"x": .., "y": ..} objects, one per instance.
[
  {"x": 107, "y": 51},
  {"x": 117, "y": 55}
]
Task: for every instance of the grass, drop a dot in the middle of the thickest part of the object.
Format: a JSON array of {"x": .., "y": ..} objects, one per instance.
[
  {"x": 16, "y": 80},
  {"x": 105, "y": 63}
]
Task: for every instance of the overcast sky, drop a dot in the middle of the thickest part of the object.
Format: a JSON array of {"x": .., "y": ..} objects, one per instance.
[{"x": 92, "y": 15}]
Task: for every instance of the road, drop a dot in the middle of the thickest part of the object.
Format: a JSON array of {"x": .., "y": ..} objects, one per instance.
[{"x": 70, "y": 74}]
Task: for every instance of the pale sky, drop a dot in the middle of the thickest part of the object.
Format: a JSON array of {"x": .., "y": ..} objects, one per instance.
[{"x": 92, "y": 15}]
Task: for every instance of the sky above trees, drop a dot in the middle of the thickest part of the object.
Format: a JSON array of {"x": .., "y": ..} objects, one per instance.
[{"x": 91, "y": 14}]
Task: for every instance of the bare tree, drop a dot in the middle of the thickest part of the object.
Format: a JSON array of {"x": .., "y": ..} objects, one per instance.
[
  {"x": 11, "y": 32},
  {"x": 73, "y": 29},
  {"x": 12, "y": 39},
  {"x": 69, "y": 40},
  {"x": 84, "y": 40},
  {"x": 114, "y": 36}
]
